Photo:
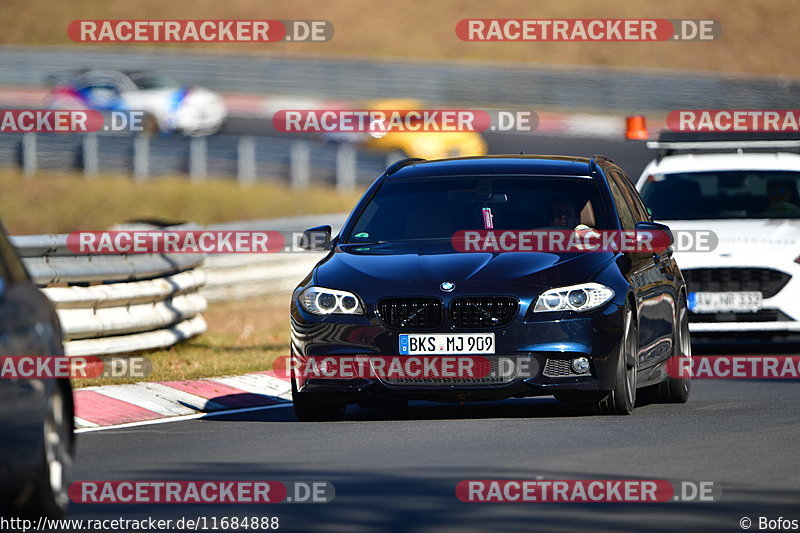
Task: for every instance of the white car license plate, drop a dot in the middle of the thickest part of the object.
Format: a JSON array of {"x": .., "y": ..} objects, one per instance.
[
  {"x": 446, "y": 344},
  {"x": 725, "y": 302}
]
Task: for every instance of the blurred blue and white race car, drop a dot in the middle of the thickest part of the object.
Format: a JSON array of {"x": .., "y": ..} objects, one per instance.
[{"x": 168, "y": 107}]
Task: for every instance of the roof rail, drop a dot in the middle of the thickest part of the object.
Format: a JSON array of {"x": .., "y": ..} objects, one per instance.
[
  {"x": 397, "y": 165},
  {"x": 598, "y": 157},
  {"x": 670, "y": 142},
  {"x": 604, "y": 157},
  {"x": 710, "y": 136},
  {"x": 720, "y": 145}
]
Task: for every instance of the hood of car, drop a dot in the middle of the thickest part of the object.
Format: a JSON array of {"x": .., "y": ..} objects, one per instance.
[
  {"x": 420, "y": 268},
  {"x": 773, "y": 242}
]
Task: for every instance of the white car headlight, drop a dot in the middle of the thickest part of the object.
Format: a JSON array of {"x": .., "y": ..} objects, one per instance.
[
  {"x": 583, "y": 297},
  {"x": 322, "y": 301}
]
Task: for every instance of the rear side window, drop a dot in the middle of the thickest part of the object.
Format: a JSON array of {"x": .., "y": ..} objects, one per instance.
[
  {"x": 622, "y": 198},
  {"x": 637, "y": 206}
]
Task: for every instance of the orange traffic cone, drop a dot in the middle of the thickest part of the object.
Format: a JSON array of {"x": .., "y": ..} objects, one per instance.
[{"x": 636, "y": 128}]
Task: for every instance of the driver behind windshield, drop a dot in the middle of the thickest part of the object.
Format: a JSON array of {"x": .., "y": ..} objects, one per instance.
[{"x": 565, "y": 214}]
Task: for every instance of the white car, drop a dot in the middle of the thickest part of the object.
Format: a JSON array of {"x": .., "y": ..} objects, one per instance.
[
  {"x": 168, "y": 106},
  {"x": 751, "y": 201}
]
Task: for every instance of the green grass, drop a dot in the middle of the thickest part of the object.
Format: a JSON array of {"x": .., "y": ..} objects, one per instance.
[
  {"x": 53, "y": 203},
  {"x": 244, "y": 336}
]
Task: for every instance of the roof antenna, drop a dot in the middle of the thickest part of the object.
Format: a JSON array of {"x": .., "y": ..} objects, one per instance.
[{"x": 522, "y": 152}]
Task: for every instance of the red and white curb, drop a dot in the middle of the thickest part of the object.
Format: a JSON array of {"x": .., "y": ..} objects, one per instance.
[{"x": 113, "y": 405}]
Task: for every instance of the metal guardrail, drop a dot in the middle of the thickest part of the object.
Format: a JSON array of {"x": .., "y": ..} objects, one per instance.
[
  {"x": 117, "y": 303},
  {"x": 120, "y": 303},
  {"x": 247, "y": 159},
  {"x": 235, "y": 276},
  {"x": 446, "y": 82}
]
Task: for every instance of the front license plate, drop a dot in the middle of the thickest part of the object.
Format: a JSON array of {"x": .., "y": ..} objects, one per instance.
[
  {"x": 446, "y": 344},
  {"x": 725, "y": 302}
]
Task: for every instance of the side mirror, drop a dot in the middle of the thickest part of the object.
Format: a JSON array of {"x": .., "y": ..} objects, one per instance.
[
  {"x": 316, "y": 239},
  {"x": 658, "y": 237}
]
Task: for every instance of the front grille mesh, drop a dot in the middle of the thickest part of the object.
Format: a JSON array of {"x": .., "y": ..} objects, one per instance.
[
  {"x": 483, "y": 311},
  {"x": 559, "y": 368},
  {"x": 411, "y": 313},
  {"x": 769, "y": 282}
]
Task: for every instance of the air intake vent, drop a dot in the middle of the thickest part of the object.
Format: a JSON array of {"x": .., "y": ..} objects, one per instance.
[
  {"x": 411, "y": 313},
  {"x": 559, "y": 368},
  {"x": 483, "y": 311}
]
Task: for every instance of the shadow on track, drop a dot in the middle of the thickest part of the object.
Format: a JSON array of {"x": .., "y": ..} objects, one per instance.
[
  {"x": 529, "y": 408},
  {"x": 423, "y": 499}
]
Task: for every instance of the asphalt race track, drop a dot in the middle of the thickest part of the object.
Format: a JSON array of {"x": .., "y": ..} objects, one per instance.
[{"x": 396, "y": 470}]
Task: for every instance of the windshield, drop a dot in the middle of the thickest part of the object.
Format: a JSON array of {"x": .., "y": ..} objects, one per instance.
[
  {"x": 723, "y": 195},
  {"x": 435, "y": 208},
  {"x": 153, "y": 81}
]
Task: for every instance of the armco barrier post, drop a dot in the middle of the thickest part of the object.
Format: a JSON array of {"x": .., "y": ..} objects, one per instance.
[
  {"x": 197, "y": 159},
  {"x": 89, "y": 155},
  {"x": 29, "y": 154},
  {"x": 299, "y": 164},
  {"x": 246, "y": 160},
  {"x": 345, "y": 167},
  {"x": 141, "y": 157}
]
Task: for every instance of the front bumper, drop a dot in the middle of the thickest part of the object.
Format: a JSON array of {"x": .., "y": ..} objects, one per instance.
[
  {"x": 533, "y": 339},
  {"x": 780, "y": 312}
]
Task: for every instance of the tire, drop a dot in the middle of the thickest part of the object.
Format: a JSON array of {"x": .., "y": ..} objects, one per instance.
[
  {"x": 49, "y": 495},
  {"x": 622, "y": 398},
  {"x": 309, "y": 408},
  {"x": 676, "y": 390}
]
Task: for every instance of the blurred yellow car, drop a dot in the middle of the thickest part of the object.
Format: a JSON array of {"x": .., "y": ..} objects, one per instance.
[{"x": 424, "y": 144}]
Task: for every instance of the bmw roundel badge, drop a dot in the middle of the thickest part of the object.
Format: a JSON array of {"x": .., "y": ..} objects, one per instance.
[{"x": 447, "y": 286}]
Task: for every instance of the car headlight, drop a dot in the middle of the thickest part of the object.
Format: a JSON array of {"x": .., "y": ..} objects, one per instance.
[
  {"x": 583, "y": 297},
  {"x": 322, "y": 301}
]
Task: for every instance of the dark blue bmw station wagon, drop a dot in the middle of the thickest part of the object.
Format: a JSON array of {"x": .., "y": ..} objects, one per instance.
[{"x": 588, "y": 327}]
